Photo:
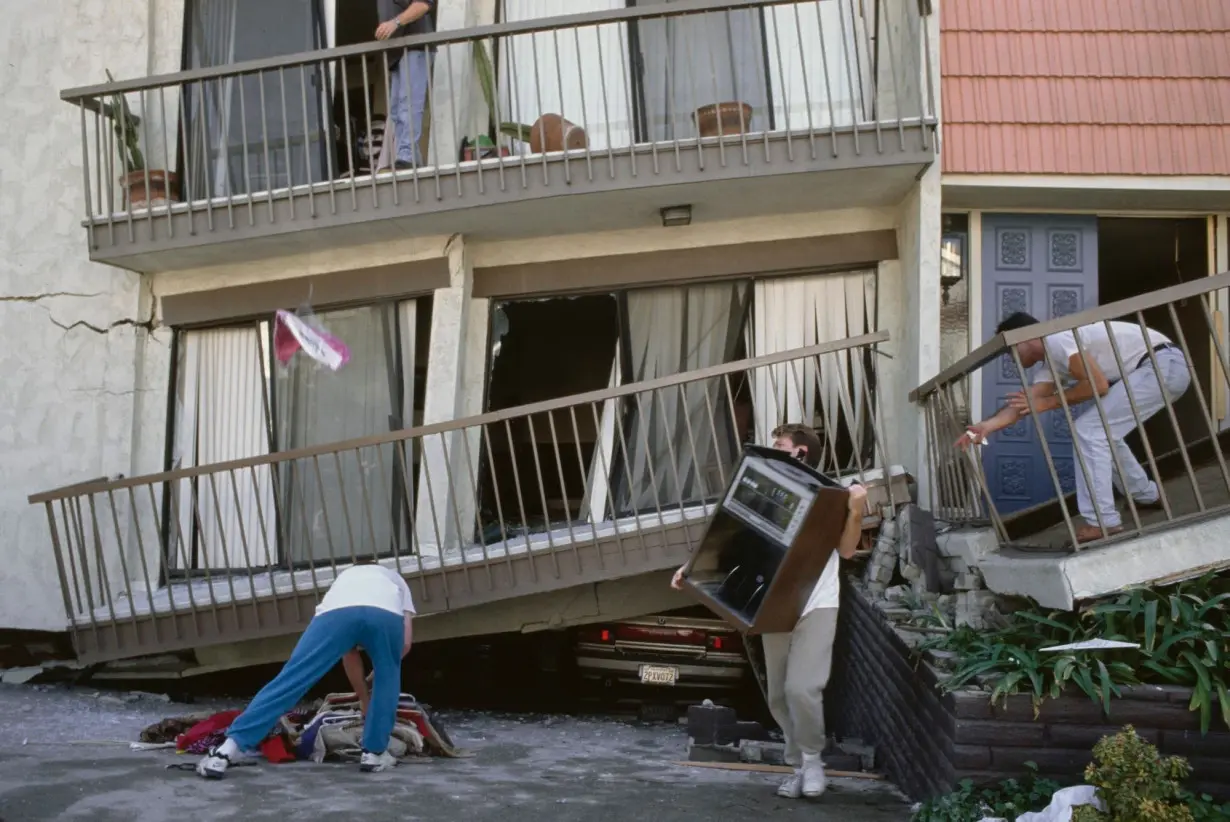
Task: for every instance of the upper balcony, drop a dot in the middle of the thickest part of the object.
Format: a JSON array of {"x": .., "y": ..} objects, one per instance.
[{"x": 735, "y": 106}]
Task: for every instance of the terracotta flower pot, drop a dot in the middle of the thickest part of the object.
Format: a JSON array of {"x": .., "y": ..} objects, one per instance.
[
  {"x": 551, "y": 132},
  {"x": 719, "y": 119},
  {"x": 161, "y": 188}
]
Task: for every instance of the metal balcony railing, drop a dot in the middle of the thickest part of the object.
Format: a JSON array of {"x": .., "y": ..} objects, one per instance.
[
  {"x": 642, "y": 92},
  {"x": 495, "y": 506},
  {"x": 1179, "y": 436}
]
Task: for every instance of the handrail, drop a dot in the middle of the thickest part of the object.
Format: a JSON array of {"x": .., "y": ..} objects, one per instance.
[
  {"x": 440, "y": 38},
  {"x": 97, "y": 486},
  {"x": 1000, "y": 343}
]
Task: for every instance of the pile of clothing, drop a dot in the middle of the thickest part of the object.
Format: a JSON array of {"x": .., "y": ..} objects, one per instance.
[{"x": 330, "y": 731}]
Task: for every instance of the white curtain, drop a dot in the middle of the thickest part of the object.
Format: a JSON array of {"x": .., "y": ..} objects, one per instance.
[
  {"x": 344, "y": 504},
  {"x": 696, "y": 60},
  {"x": 673, "y": 330},
  {"x": 212, "y": 30},
  {"x": 580, "y": 74},
  {"x": 221, "y": 416},
  {"x": 826, "y": 393},
  {"x": 814, "y": 57}
]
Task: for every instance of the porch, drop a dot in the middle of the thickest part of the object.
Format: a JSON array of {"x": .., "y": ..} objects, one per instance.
[
  {"x": 1034, "y": 552},
  {"x": 735, "y": 107},
  {"x": 242, "y": 550}
]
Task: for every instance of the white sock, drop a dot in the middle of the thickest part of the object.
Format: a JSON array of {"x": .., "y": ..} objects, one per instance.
[{"x": 229, "y": 748}]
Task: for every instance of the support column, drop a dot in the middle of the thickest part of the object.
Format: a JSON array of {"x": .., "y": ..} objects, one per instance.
[{"x": 446, "y": 503}]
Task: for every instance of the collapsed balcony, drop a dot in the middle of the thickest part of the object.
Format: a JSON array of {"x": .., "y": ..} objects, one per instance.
[
  {"x": 243, "y": 549},
  {"x": 1182, "y": 446}
]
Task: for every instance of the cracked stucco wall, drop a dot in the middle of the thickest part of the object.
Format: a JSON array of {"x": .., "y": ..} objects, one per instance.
[{"x": 74, "y": 333}]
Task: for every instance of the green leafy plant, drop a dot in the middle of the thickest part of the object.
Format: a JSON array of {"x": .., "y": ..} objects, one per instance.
[
  {"x": 126, "y": 125},
  {"x": 1007, "y": 799},
  {"x": 1183, "y": 632},
  {"x": 1135, "y": 782},
  {"x": 485, "y": 70},
  {"x": 1204, "y": 809}
]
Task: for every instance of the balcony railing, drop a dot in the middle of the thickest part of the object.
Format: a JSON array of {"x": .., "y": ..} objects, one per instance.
[
  {"x": 703, "y": 87},
  {"x": 1179, "y": 435},
  {"x": 596, "y": 486}
]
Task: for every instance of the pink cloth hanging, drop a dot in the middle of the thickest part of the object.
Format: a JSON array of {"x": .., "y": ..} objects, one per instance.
[{"x": 291, "y": 334}]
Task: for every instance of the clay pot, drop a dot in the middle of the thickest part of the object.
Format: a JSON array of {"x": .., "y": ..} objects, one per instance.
[
  {"x": 551, "y": 132},
  {"x": 161, "y": 188},
  {"x": 718, "y": 119}
]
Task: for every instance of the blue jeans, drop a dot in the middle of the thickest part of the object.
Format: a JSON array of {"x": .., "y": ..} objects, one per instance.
[
  {"x": 408, "y": 97},
  {"x": 328, "y": 637}
]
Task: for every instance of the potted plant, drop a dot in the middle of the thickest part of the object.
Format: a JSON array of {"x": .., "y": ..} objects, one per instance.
[
  {"x": 718, "y": 119},
  {"x": 550, "y": 132},
  {"x": 142, "y": 187}
]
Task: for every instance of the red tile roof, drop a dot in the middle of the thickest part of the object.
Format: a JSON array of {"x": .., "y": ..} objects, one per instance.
[{"x": 1092, "y": 87}]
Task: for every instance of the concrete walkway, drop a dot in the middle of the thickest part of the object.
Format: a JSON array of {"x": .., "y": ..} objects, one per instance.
[{"x": 60, "y": 760}]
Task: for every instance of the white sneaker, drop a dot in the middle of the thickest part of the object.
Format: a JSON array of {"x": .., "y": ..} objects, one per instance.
[
  {"x": 375, "y": 763},
  {"x": 213, "y": 765},
  {"x": 792, "y": 788},
  {"x": 813, "y": 778}
]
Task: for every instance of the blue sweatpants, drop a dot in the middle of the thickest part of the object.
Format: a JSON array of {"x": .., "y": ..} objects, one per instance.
[{"x": 327, "y": 639}]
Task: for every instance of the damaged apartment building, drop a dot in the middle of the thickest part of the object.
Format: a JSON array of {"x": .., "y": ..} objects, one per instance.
[
  {"x": 637, "y": 236},
  {"x": 714, "y": 217}
]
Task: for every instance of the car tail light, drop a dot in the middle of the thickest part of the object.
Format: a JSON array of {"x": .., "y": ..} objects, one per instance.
[
  {"x": 660, "y": 634},
  {"x": 596, "y": 634},
  {"x": 726, "y": 643}
]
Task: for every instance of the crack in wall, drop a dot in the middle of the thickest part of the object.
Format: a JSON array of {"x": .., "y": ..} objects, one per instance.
[
  {"x": 148, "y": 325},
  {"x": 34, "y": 298}
]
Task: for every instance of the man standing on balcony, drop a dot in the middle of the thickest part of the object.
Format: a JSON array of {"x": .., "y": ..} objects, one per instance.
[
  {"x": 409, "y": 74},
  {"x": 368, "y": 606},
  {"x": 1150, "y": 361},
  {"x": 798, "y": 664}
]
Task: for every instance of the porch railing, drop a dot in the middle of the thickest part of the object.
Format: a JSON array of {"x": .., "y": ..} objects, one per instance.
[
  {"x": 499, "y": 505},
  {"x": 659, "y": 85},
  {"x": 1179, "y": 436}
]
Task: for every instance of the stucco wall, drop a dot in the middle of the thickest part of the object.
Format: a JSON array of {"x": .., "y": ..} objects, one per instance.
[{"x": 72, "y": 330}]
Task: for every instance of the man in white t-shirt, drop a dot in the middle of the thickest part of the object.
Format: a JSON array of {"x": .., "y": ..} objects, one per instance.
[
  {"x": 798, "y": 664},
  {"x": 1147, "y": 363},
  {"x": 368, "y": 606}
]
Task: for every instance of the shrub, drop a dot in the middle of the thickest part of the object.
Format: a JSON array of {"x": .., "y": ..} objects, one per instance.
[{"x": 1007, "y": 800}]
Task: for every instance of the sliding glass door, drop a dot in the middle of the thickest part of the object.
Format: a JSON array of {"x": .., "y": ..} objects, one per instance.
[{"x": 261, "y": 131}]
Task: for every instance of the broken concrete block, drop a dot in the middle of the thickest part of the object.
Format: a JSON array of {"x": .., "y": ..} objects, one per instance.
[
  {"x": 705, "y": 720},
  {"x": 896, "y": 592},
  {"x": 19, "y": 676},
  {"x": 856, "y": 747},
  {"x": 911, "y": 572},
  {"x": 739, "y": 731},
  {"x": 971, "y": 581},
  {"x": 763, "y": 752},
  {"x": 956, "y": 565},
  {"x": 969, "y": 544},
  {"x": 880, "y": 574},
  {"x": 712, "y": 753}
]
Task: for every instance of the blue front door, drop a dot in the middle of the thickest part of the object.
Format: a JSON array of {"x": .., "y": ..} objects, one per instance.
[{"x": 1047, "y": 266}]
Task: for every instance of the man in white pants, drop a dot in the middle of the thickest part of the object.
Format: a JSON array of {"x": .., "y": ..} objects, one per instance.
[
  {"x": 798, "y": 664},
  {"x": 1151, "y": 363}
]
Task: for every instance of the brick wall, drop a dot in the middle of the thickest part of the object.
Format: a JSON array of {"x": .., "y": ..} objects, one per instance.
[{"x": 926, "y": 741}]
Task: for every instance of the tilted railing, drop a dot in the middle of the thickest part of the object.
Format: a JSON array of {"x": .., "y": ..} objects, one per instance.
[
  {"x": 656, "y": 84},
  {"x": 451, "y": 506},
  {"x": 1180, "y": 444}
]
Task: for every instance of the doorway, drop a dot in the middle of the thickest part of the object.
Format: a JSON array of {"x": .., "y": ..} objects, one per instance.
[{"x": 543, "y": 350}]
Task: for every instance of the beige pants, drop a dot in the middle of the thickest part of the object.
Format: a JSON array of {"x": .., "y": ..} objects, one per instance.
[{"x": 797, "y": 666}]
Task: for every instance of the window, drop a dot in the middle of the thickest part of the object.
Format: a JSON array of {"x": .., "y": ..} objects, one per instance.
[{"x": 233, "y": 400}]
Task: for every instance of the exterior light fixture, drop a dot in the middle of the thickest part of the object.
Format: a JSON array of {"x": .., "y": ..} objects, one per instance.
[{"x": 676, "y": 215}]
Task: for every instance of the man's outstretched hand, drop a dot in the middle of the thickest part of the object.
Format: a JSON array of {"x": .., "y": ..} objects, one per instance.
[{"x": 677, "y": 579}]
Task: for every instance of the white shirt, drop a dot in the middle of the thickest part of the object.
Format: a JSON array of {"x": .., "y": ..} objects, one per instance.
[
  {"x": 827, "y": 593},
  {"x": 373, "y": 586},
  {"x": 1095, "y": 343}
]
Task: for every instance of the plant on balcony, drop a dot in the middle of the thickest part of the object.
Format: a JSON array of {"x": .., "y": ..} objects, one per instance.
[
  {"x": 142, "y": 187},
  {"x": 550, "y": 132},
  {"x": 1183, "y": 631}
]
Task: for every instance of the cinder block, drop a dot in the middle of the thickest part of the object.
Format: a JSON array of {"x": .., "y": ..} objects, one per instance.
[{"x": 704, "y": 722}]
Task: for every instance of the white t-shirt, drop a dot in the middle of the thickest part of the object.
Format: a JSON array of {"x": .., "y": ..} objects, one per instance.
[
  {"x": 373, "y": 586},
  {"x": 1095, "y": 343},
  {"x": 827, "y": 593}
]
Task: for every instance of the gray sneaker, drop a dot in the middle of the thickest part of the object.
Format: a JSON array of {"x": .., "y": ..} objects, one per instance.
[
  {"x": 213, "y": 765},
  {"x": 375, "y": 763}
]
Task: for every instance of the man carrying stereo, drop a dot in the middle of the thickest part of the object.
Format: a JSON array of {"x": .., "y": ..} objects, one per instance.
[{"x": 798, "y": 663}]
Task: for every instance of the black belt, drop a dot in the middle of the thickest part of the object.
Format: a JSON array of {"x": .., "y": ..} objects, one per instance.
[{"x": 1160, "y": 347}]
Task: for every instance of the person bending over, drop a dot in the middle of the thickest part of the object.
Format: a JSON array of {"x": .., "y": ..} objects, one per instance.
[
  {"x": 798, "y": 663},
  {"x": 367, "y": 607}
]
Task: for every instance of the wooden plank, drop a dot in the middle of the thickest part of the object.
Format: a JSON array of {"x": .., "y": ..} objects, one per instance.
[{"x": 754, "y": 767}]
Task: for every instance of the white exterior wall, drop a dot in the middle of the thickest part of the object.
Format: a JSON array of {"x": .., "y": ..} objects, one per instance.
[{"x": 72, "y": 330}]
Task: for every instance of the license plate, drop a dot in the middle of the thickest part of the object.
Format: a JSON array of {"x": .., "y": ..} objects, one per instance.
[{"x": 659, "y": 675}]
